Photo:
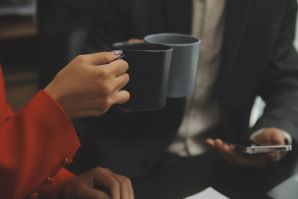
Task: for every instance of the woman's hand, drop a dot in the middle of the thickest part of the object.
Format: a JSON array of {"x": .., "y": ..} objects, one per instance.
[
  {"x": 98, "y": 183},
  {"x": 90, "y": 84}
]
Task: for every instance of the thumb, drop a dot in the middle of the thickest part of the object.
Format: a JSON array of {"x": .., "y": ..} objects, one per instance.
[{"x": 103, "y": 57}]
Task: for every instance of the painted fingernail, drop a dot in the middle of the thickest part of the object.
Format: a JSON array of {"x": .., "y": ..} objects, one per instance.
[{"x": 117, "y": 53}]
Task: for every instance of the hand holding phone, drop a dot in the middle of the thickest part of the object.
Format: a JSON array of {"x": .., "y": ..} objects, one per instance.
[
  {"x": 256, "y": 149},
  {"x": 272, "y": 147}
]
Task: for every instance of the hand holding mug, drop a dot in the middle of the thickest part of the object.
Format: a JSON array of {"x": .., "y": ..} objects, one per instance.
[{"x": 90, "y": 84}]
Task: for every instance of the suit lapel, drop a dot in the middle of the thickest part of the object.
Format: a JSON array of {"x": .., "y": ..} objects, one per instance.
[
  {"x": 179, "y": 19},
  {"x": 179, "y": 15},
  {"x": 237, "y": 15}
]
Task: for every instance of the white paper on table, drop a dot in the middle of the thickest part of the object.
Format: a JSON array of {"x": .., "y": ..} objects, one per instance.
[{"x": 208, "y": 193}]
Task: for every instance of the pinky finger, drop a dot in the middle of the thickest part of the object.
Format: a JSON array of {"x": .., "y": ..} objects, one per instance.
[{"x": 121, "y": 97}]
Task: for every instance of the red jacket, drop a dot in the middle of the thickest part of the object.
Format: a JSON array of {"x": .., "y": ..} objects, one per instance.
[{"x": 35, "y": 144}]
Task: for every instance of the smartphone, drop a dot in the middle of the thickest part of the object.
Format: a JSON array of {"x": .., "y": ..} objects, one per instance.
[{"x": 256, "y": 149}]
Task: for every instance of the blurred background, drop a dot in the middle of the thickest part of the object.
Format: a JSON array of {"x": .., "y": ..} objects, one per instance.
[
  {"x": 18, "y": 49},
  {"x": 31, "y": 49},
  {"x": 27, "y": 37}
]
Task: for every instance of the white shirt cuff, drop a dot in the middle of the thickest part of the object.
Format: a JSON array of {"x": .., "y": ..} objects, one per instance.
[{"x": 287, "y": 136}]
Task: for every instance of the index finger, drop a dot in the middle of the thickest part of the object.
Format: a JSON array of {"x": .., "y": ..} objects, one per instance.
[{"x": 102, "y": 57}]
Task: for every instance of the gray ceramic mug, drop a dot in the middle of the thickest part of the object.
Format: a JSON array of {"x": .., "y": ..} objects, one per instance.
[{"x": 184, "y": 64}]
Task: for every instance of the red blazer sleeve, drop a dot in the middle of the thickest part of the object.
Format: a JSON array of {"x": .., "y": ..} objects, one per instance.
[
  {"x": 52, "y": 190},
  {"x": 34, "y": 143}
]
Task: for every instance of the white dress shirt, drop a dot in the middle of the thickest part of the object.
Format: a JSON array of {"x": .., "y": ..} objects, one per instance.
[{"x": 202, "y": 110}]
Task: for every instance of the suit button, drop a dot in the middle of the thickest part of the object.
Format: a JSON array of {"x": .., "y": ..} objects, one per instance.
[
  {"x": 49, "y": 181},
  {"x": 33, "y": 195},
  {"x": 68, "y": 161}
]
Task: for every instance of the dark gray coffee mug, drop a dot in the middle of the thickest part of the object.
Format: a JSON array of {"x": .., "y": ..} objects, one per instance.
[
  {"x": 184, "y": 62},
  {"x": 149, "y": 68}
]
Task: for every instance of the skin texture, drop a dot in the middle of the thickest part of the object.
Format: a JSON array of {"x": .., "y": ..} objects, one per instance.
[
  {"x": 135, "y": 41},
  {"x": 99, "y": 183},
  {"x": 90, "y": 84},
  {"x": 268, "y": 136}
]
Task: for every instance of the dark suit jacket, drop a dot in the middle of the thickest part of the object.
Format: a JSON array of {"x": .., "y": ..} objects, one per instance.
[
  {"x": 258, "y": 59},
  {"x": 62, "y": 26}
]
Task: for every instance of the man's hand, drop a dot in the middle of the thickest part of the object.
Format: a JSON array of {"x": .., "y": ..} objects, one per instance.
[
  {"x": 90, "y": 84},
  {"x": 135, "y": 41},
  {"x": 99, "y": 183},
  {"x": 269, "y": 136}
]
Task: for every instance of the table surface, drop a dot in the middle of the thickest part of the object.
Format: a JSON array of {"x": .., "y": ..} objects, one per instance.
[{"x": 177, "y": 178}]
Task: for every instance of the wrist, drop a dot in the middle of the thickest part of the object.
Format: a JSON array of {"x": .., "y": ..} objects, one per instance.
[
  {"x": 52, "y": 92},
  {"x": 55, "y": 95}
]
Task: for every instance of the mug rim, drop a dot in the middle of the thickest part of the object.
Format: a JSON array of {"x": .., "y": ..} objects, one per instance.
[
  {"x": 196, "y": 39},
  {"x": 125, "y": 45}
]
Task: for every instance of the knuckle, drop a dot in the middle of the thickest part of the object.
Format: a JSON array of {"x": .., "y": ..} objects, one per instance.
[
  {"x": 98, "y": 170},
  {"x": 80, "y": 58},
  {"x": 127, "y": 77},
  {"x": 124, "y": 97},
  {"x": 105, "y": 170},
  {"x": 127, "y": 95},
  {"x": 105, "y": 105},
  {"x": 115, "y": 184},
  {"x": 103, "y": 74},
  {"x": 107, "y": 89},
  {"x": 124, "y": 64},
  {"x": 121, "y": 64},
  {"x": 126, "y": 180},
  {"x": 124, "y": 80},
  {"x": 110, "y": 89},
  {"x": 105, "y": 57}
]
